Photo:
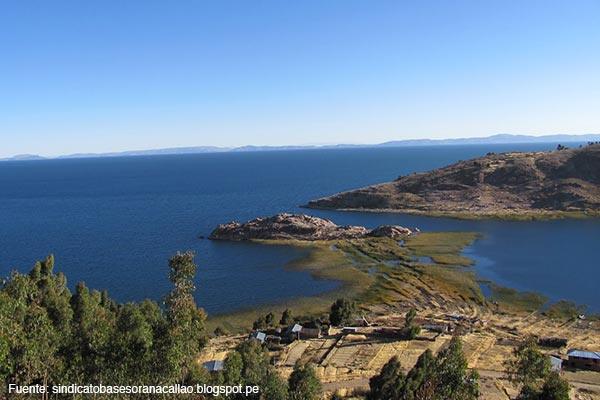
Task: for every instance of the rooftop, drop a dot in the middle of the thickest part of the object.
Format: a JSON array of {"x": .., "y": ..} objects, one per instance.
[
  {"x": 213, "y": 366},
  {"x": 259, "y": 336},
  {"x": 583, "y": 354}
]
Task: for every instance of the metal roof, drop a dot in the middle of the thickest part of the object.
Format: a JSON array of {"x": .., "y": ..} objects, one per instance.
[
  {"x": 583, "y": 354},
  {"x": 294, "y": 328},
  {"x": 259, "y": 336},
  {"x": 214, "y": 365},
  {"x": 556, "y": 363}
]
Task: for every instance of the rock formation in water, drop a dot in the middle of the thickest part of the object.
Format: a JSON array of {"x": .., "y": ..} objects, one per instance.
[
  {"x": 299, "y": 227},
  {"x": 508, "y": 184}
]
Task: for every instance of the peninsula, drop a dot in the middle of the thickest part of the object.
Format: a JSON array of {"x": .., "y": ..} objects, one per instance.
[{"x": 515, "y": 185}]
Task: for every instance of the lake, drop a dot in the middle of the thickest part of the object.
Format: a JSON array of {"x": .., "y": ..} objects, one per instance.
[{"x": 113, "y": 222}]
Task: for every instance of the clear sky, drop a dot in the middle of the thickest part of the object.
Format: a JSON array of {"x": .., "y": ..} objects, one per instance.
[{"x": 98, "y": 76}]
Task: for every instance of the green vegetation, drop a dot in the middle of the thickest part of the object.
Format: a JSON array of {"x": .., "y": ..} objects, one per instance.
[
  {"x": 530, "y": 370},
  {"x": 515, "y": 300},
  {"x": 221, "y": 331},
  {"x": 249, "y": 364},
  {"x": 382, "y": 271},
  {"x": 304, "y": 384},
  {"x": 564, "y": 309},
  {"x": 286, "y": 317},
  {"x": 50, "y": 336},
  {"x": 374, "y": 249},
  {"x": 442, "y": 247},
  {"x": 442, "y": 377},
  {"x": 411, "y": 330},
  {"x": 389, "y": 383},
  {"x": 342, "y": 312}
]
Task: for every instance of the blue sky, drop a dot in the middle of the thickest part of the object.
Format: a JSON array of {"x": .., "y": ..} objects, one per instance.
[{"x": 98, "y": 76}]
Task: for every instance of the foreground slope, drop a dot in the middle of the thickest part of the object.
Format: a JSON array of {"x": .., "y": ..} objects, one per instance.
[{"x": 514, "y": 185}]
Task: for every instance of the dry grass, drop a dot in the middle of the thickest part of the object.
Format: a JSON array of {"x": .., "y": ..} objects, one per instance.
[
  {"x": 378, "y": 271},
  {"x": 440, "y": 243},
  {"x": 517, "y": 301}
]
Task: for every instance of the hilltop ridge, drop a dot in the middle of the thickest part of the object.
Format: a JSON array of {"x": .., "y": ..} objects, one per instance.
[{"x": 513, "y": 185}]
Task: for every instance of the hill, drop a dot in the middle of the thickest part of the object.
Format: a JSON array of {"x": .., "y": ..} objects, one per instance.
[{"x": 508, "y": 185}]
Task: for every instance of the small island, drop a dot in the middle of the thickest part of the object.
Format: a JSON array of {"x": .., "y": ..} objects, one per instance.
[
  {"x": 515, "y": 185},
  {"x": 300, "y": 227}
]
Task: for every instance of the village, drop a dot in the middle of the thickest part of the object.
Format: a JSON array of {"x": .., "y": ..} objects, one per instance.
[
  {"x": 346, "y": 357},
  {"x": 409, "y": 270}
]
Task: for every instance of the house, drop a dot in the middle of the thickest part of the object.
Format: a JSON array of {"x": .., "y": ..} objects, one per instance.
[
  {"x": 273, "y": 339},
  {"x": 310, "y": 333},
  {"x": 362, "y": 321},
  {"x": 441, "y": 328},
  {"x": 213, "y": 366},
  {"x": 303, "y": 333},
  {"x": 293, "y": 330},
  {"x": 584, "y": 359},
  {"x": 556, "y": 363},
  {"x": 296, "y": 328},
  {"x": 456, "y": 317},
  {"x": 349, "y": 329},
  {"x": 260, "y": 336},
  {"x": 553, "y": 342}
]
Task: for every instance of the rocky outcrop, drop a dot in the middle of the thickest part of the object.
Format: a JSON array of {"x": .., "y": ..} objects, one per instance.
[
  {"x": 520, "y": 183},
  {"x": 299, "y": 227},
  {"x": 391, "y": 231}
]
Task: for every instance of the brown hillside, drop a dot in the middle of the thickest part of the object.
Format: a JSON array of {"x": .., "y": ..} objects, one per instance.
[{"x": 507, "y": 184}]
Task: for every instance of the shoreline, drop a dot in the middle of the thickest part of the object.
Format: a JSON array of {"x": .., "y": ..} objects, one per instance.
[
  {"x": 517, "y": 215},
  {"x": 374, "y": 281}
]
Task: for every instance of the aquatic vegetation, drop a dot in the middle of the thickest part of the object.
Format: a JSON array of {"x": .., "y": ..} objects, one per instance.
[{"x": 363, "y": 268}]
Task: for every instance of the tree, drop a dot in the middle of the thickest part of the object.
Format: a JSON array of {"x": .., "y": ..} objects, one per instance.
[
  {"x": 221, "y": 331},
  {"x": 389, "y": 383},
  {"x": 269, "y": 318},
  {"x": 342, "y": 312},
  {"x": 91, "y": 347},
  {"x": 555, "y": 388},
  {"x": 185, "y": 321},
  {"x": 286, "y": 318},
  {"x": 411, "y": 330},
  {"x": 249, "y": 364},
  {"x": 50, "y": 336},
  {"x": 423, "y": 370},
  {"x": 444, "y": 377},
  {"x": 527, "y": 364},
  {"x": 304, "y": 384},
  {"x": 233, "y": 369},
  {"x": 336, "y": 396},
  {"x": 531, "y": 369},
  {"x": 259, "y": 323},
  {"x": 131, "y": 347},
  {"x": 453, "y": 381}
]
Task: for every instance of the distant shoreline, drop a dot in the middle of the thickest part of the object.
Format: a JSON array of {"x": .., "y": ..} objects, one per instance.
[{"x": 491, "y": 140}]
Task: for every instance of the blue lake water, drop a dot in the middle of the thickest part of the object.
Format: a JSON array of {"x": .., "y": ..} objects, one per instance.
[{"x": 113, "y": 222}]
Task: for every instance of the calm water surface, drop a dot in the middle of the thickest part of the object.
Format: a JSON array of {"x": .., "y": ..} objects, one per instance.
[{"x": 113, "y": 222}]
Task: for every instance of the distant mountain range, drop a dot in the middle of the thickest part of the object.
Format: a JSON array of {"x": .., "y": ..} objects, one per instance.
[{"x": 495, "y": 139}]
